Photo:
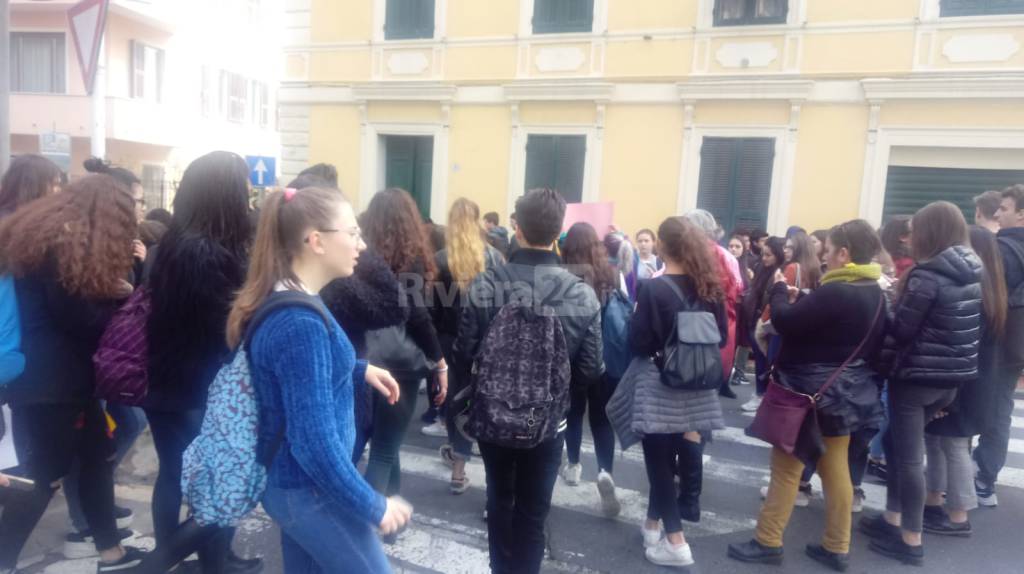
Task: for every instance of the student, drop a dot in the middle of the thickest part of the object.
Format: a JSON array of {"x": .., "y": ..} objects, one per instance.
[
  {"x": 199, "y": 266},
  {"x": 737, "y": 247},
  {"x": 772, "y": 259},
  {"x": 950, "y": 472},
  {"x": 695, "y": 276},
  {"x": 520, "y": 481},
  {"x": 994, "y": 441},
  {"x": 932, "y": 343},
  {"x": 497, "y": 235},
  {"x": 803, "y": 267},
  {"x": 818, "y": 238},
  {"x": 70, "y": 254},
  {"x": 585, "y": 255},
  {"x": 830, "y": 332},
  {"x": 985, "y": 207},
  {"x": 394, "y": 230},
  {"x": 465, "y": 257},
  {"x": 305, "y": 374},
  {"x": 647, "y": 262},
  {"x": 896, "y": 242}
]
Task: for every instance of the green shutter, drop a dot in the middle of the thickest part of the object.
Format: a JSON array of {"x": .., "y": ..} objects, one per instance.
[
  {"x": 981, "y": 7},
  {"x": 409, "y": 19},
  {"x": 563, "y": 16},
  {"x": 424, "y": 174},
  {"x": 735, "y": 180},
  {"x": 409, "y": 165},
  {"x": 540, "y": 162},
  {"x": 556, "y": 162},
  {"x": 908, "y": 189}
]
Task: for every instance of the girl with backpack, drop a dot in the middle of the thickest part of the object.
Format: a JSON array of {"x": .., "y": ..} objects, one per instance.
[
  {"x": 198, "y": 267},
  {"x": 394, "y": 230},
  {"x": 950, "y": 471},
  {"x": 585, "y": 255},
  {"x": 69, "y": 253},
  {"x": 932, "y": 345},
  {"x": 465, "y": 256},
  {"x": 305, "y": 375},
  {"x": 691, "y": 282}
]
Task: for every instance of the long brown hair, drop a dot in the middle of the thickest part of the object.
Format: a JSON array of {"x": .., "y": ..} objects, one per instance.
[
  {"x": 685, "y": 244},
  {"x": 935, "y": 228},
  {"x": 993, "y": 280},
  {"x": 804, "y": 255},
  {"x": 29, "y": 177},
  {"x": 279, "y": 238},
  {"x": 86, "y": 230},
  {"x": 394, "y": 230},
  {"x": 465, "y": 242},
  {"x": 583, "y": 248}
]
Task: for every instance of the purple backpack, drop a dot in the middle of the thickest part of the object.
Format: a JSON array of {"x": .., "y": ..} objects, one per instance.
[{"x": 122, "y": 359}]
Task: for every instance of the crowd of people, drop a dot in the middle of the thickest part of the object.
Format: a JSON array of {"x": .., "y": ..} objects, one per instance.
[{"x": 897, "y": 343}]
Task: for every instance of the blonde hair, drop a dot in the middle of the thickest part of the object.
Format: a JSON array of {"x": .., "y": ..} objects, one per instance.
[{"x": 466, "y": 246}]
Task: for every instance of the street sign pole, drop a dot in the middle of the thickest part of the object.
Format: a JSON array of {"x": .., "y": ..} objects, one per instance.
[
  {"x": 98, "y": 142},
  {"x": 88, "y": 21}
]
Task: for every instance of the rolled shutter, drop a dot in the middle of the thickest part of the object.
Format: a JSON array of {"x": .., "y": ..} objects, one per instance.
[{"x": 908, "y": 188}]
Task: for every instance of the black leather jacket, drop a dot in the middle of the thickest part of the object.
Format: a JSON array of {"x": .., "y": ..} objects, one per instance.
[
  {"x": 932, "y": 339},
  {"x": 535, "y": 274}
]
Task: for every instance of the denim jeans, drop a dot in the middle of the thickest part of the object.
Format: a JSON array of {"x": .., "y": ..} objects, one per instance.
[
  {"x": 461, "y": 444},
  {"x": 594, "y": 398},
  {"x": 994, "y": 441},
  {"x": 130, "y": 421},
  {"x": 877, "y": 449},
  {"x": 519, "y": 487},
  {"x": 384, "y": 471},
  {"x": 319, "y": 536}
]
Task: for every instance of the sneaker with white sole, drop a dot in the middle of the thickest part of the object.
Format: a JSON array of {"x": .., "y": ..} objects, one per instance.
[
  {"x": 81, "y": 545},
  {"x": 986, "y": 494},
  {"x": 571, "y": 473},
  {"x": 132, "y": 558},
  {"x": 609, "y": 501},
  {"x": 751, "y": 405},
  {"x": 651, "y": 537},
  {"x": 436, "y": 429},
  {"x": 124, "y": 516},
  {"x": 803, "y": 496},
  {"x": 667, "y": 554},
  {"x": 858, "y": 500}
]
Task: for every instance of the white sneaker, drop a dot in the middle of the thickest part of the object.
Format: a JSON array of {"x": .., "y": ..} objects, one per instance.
[
  {"x": 751, "y": 405},
  {"x": 802, "y": 497},
  {"x": 437, "y": 428},
  {"x": 858, "y": 500},
  {"x": 651, "y": 537},
  {"x": 606, "y": 488},
  {"x": 571, "y": 473},
  {"x": 666, "y": 554}
]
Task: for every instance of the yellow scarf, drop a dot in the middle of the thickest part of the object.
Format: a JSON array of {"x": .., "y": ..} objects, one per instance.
[{"x": 853, "y": 272}]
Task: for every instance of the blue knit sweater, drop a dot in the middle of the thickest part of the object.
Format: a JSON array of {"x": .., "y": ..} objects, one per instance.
[{"x": 306, "y": 375}]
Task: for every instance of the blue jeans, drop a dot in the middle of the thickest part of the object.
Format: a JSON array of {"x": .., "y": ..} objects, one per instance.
[
  {"x": 131, "y": 421},
  {"x": 319, "y": 536},
  {"x": 877, "y": 450}
]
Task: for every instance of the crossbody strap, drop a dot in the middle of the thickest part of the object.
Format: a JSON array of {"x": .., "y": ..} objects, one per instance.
[{"x": 860, "y": 347}]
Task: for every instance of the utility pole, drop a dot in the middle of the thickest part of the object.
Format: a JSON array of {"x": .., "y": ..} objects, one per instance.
[
  {"x": 5, "y": 85},
  {"x": 98, "y": 143}
]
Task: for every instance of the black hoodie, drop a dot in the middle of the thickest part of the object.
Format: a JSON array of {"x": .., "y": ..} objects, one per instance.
[{"x": 934, "y": 333}]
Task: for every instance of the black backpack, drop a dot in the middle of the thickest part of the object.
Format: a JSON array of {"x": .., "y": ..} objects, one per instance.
[
  {"x": 1013, "y": 338},
  {"x": 520, "y": 379},
  {"x": 691, "y": 360}
]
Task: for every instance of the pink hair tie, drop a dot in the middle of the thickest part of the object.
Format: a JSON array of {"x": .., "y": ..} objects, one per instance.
[{"x": 289, "y": 194}]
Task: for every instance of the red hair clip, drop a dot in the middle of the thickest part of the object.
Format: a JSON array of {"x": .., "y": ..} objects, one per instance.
[{"x": 289, "y": 194}]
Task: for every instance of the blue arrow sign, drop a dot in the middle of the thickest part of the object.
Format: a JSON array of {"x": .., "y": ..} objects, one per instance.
[{"x": 262, "y": 170}]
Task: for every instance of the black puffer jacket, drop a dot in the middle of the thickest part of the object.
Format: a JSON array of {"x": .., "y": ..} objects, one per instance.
[{"x": 932, "y": 339}]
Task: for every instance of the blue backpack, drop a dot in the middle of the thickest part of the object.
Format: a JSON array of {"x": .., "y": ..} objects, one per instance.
[
  {"x": 615, "y": 334},
  {"x": 223, "y": 475},
  {"x": 12, "y": 361}
]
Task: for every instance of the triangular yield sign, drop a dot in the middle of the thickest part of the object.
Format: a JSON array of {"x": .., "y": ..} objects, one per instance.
[{"x": 87, "y": 20}]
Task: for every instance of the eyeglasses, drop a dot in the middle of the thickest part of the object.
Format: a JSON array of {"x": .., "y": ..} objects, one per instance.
[{"x": 354, "y": 232}]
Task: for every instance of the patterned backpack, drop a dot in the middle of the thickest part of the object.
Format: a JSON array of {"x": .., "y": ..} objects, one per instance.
[
  {"x": 520, "y": 378},
  {"x": 223, "y": 475},
  {"x": 122, "y": 359}
]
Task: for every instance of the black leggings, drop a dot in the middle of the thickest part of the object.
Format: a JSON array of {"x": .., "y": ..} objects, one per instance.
[
  {"x": 660, "y": 451},
  {"x": 596, "y": 395},
  {"x": 48, "y": 438}
]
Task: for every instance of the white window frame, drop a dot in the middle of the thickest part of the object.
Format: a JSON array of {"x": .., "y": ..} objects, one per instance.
[
  {"x": 373, "y": 165},
  {"x": 796, "y": 14},
  {"x": 782, "y": 168},
  {"x": 380, "y": 8},
  {"x": 876, "y": 173},
  {"x": 68, "y": 55},
  {"x": 599, "y": 27},
  {"x": 591, "y": 159}
]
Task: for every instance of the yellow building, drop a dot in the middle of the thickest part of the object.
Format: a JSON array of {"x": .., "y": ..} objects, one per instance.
[{"x": 766, "y": 112}]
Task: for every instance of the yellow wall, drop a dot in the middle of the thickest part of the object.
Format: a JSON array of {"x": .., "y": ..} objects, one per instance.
[
  {"x": 470, "y": 63},
  {"x": 648, "y": 58},
  {"x": 829, "y": 165},
  {"x": 819, "y": 11},
  {"x": 561, "y": 113},
  {"x": 651, "y": 14},
  {"x": 478, "y": 157},
  {"x": 468, "y": 18},
  {"x": 346, "y": 65},
  {"x": 336, "y": 21},
  {"x": 640, "y": 171},
  {"x": 334, "y": 137},
  {"x": 955, "y": 113},
  {"x": 742, "y": 113},
  {"x": 403, "y": 112},
  {"x": 842, "y": 53}
]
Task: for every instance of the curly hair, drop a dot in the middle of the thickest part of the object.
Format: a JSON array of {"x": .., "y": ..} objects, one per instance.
[
  {"x": 687, "y": 245},
  {"x": 394, "y": 229},
  {"x": 87, "y": 231},
  {"x": 583, "y": 248},
  {"x": 466, "y": 245}
]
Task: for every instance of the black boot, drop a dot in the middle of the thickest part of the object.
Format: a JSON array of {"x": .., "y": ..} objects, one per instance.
[
  {"x": 753, "y": 551},
  {"x": 726, "y": 391},
  {"x": 896, "y": 549},
  {"x": 837, "y": 562},
  {"x": 691, "y": 480}
]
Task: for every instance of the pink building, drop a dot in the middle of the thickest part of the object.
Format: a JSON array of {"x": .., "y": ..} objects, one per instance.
[{"x": 183, "y": 77}]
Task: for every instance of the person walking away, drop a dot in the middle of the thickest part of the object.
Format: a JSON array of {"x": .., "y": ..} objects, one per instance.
[
  {"x": 69, "y": 254},
  {"x": 932, "y": 344},
  {"x": 647, "y": 261},
  {"x": 198, "y": 267},
  {"x": 305, "y": 373},
  {"x": 691, "y": 283},
  {"x": 531, "y": 295},
  {"x": 585, "y": 255},
  {"x": 828, "y": 338},
  {"x": 990, "y": 454},
  {"x": 395, "y": 231},
  {"x": 772, "y": 258},
  {"x": 950, "y": 472},
  {"x": 985, "y": 207},
  {"x": 465, "y": 257}
]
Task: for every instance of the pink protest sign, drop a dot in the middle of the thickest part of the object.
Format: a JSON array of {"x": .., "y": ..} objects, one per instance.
[{"x": 600, "y": 215}]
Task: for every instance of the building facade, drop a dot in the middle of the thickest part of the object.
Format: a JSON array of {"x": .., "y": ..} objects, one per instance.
[
  {"x": 182, "y": 78},
  {"x": 769, "y": 113}
]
